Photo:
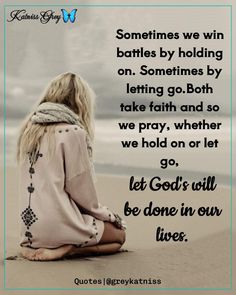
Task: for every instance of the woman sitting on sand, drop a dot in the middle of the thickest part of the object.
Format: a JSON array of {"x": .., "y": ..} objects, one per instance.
[{"x": 60, "y": 212}]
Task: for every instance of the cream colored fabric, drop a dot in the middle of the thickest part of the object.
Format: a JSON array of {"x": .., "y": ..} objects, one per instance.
[
  {"x": 51, "y": 112},
  {"x": 58, "y": 199}
]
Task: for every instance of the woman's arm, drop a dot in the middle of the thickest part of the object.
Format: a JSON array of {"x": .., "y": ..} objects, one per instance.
[
  {"x": 78, "y": 177},
  {"x": 82, "y": 190}
]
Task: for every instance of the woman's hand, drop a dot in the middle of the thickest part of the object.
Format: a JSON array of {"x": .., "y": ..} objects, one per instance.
[{"x": 119, "y": 222}]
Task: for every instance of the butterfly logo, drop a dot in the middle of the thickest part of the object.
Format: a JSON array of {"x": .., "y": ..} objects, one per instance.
[{"x": 68, "y": 16}]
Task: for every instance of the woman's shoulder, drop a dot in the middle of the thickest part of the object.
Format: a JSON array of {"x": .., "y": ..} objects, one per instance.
[
  {"x": 65, "y": 127},
  {"x": 72, "y": 139},
  {"x": 68, "y": 131}
]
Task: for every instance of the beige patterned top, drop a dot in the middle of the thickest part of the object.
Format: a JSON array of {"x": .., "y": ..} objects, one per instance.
[{"x": 58, "y": 199}]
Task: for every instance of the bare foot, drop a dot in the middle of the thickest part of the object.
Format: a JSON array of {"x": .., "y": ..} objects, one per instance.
[{"x": 43, "y": 254}]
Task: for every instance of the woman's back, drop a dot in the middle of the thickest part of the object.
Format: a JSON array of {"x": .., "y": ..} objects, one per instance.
[{"x": 57, "y": 193}]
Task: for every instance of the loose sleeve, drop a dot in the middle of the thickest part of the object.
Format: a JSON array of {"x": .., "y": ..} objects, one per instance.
[{"x": 79, "y": 182}]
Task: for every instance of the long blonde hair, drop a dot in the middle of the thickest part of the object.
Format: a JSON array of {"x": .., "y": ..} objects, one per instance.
[{"x": 68, "y": 89}]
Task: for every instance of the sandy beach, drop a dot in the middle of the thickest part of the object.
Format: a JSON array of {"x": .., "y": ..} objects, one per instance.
[{"x": 202, "y": 262}]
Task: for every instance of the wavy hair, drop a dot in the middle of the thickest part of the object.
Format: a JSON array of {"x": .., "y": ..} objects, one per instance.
[{"x": 68, "y": 89}]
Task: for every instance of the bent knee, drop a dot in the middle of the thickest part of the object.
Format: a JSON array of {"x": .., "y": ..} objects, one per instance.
[
  {"x": 112, "y": 234},
  {"x": 122, "y": 237}
]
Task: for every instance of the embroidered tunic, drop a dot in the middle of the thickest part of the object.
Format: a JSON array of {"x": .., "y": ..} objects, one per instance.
[{"x": 58, "y": 199}]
